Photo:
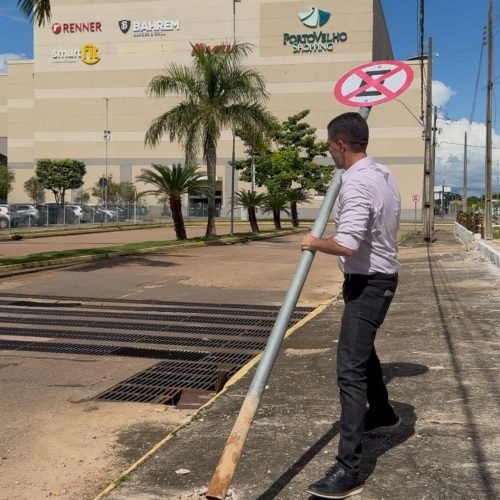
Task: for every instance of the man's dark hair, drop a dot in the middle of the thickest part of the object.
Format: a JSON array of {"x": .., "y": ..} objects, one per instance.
[{"x": 352, "y": 129}]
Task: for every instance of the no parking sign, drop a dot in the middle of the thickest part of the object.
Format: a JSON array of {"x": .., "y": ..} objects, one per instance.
[{"x": 373, "y": 83}]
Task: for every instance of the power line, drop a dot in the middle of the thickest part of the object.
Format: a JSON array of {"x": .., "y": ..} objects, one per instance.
[
  {"x": 483, "y": 43},
  {"x": 462, "y": 144}
]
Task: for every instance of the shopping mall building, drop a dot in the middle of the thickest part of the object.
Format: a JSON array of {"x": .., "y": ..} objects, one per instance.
[{"x": 93, "y": 62}]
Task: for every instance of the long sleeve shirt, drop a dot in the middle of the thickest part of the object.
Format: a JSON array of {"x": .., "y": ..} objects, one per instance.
[{"x": 367, "y": 219}]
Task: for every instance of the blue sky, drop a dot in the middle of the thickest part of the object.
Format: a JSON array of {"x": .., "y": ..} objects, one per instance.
[{"x": 456, "y": 28}]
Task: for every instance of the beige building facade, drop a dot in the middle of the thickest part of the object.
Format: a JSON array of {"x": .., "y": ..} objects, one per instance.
[{"x": 93, "y": 62}]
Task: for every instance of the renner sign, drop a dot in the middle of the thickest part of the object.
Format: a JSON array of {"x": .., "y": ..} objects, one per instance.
[{"x": 91, "y": 27}]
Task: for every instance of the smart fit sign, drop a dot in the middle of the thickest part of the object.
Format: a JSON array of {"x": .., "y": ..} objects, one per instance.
[
  {"x": 316, "y": 41},
  {"x": 88, "y": 54}
]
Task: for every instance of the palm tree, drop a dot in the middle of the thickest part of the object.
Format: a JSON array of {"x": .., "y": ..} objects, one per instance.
[
  {"x": 250, "y": 201},
  {"x": 294, "y": 196},
  {"x": 218, "y": 93},
  {"x": 36, "y": 10},
  {"x": 173, "y": 183},
  {"x": 276, "y": 202}
]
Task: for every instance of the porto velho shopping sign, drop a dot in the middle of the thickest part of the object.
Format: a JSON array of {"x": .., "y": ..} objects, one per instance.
[{"x": 316, "y": 41}]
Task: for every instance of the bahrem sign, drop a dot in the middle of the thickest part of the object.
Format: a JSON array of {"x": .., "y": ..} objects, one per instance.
[{"x": 315, "y": 41}]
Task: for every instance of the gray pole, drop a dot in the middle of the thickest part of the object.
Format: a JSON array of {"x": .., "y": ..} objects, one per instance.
[
  {"x": 433, "y": 167},
  {"x": 464, "y": 201},
  {"x": 226, "y": 468},
  {"x": 106, "y": 140},
  {"x": 489, "y": 108},
  {"x": 233, "y": 154},
  {"x": 428, "y": 181}
]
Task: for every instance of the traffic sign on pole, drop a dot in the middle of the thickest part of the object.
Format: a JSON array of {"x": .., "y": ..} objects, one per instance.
[
  {"x": 373, "y": 83},
  {"x": 415, "y": 197}
]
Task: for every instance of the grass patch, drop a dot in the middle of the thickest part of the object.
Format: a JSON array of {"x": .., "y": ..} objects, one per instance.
[{"x": 129, "y": 248}]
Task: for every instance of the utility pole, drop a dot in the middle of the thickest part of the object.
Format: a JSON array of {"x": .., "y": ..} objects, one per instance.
[
  {"x": 428, "y": 177},
  {"x": 489, "y": 108},
  {"x": 107, "y": 137},
  {"x": 464, "y": 201},
  {"x": 433, "y": 167}
]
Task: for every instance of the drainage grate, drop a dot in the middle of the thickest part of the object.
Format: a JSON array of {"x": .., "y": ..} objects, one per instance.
[
  {"x": 165, "y": 382},
  {"x": 217, "y": 306},
  {"x": 199, "y": 346}
]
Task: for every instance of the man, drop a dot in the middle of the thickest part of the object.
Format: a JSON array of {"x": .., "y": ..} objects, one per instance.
[{"x": 367, "y": 221}]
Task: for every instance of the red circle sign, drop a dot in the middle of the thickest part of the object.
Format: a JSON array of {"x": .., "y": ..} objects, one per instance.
[
  {"x": 415, "y": 197},
  {"x": 373, "y": 83}
]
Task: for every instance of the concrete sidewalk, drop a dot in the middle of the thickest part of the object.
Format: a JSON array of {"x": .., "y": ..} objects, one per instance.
[{"x": 439, "y": 348}]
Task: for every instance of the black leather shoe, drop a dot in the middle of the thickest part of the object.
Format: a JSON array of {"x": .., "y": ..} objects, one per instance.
[
  {"x": 382, "y": 423},
  {"x": 337, "y": 483}
]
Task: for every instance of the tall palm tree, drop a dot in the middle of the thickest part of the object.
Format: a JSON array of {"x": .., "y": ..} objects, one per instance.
[
  {"x": 276, "y": 202},
  {"x": 218, "y": 93},
  {"x": 36, "y": 10},
  {"x": 173, "y": 183},
  {"x": 294, "y": 196},
  {"x": 250, "y": 201}
]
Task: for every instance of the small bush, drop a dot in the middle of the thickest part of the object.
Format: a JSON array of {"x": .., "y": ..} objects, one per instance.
[
  {"x": 16, "y": 237},
  {"x": 472, "y": 222}
]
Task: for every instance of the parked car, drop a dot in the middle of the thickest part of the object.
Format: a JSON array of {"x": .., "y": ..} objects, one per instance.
[
  {"x": 96, "y": 213},
  {"x": 4, "y": 217},
  {"x": 23, "y": 214}
]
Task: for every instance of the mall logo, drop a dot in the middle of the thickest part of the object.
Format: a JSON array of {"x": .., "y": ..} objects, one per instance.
[
  {"x": 92, "y": 27},
  {"x": 315, "y": 41},
  {"x": 88, "y": 54},
  {"x": 149, "y": 28},
  {"x": 315, "y": 18}
]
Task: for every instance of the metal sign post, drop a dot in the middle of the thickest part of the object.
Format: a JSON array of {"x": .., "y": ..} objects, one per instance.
[{"x": 415, "y": 198}]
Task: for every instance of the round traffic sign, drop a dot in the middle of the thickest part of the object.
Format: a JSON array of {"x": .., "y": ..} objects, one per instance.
[
  {"x": 415, "y": 197},
  {"x": 373, "y": 83}
]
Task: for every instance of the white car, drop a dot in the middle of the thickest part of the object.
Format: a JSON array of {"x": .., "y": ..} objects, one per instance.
[{"x": 4, "y": 216}]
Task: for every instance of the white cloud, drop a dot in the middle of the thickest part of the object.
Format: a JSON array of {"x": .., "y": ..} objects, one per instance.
[
  {"x": 450, "y": 156},
  {"x": 8, "y": 57},
  {"x": 441, "y": 93}
]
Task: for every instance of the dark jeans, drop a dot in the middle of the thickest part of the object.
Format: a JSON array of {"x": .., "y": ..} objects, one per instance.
[{"x": 359, "y": 374}]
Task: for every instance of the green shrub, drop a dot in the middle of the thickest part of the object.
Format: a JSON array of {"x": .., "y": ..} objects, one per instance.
[{"x": 472, "y": 222}]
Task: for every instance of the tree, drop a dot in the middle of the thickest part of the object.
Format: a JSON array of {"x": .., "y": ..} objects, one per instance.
[
  {"x": 36, "y": 10},
  {"x": 82, "y": 197},
  {"x": 35, "y": 190},
  {"x": 218, "y": 93},
  {"x": 60, "y": 175},
  {"x": 250, "y": 201},
  {"x": 276, "y": 202},
  {"x": 7, "y": 178},
  {"x": 292, "y": 160},
  {"x": 173, "y": 183},
  {"x": 295, "y": 196}
]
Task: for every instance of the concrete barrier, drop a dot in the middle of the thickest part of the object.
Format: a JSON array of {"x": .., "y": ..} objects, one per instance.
[
  {"x": 464, "y": 234},
  {"x": 490, "y": 253}
]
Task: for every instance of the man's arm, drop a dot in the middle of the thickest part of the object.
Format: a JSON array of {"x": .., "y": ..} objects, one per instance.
[{"x": 325, "y": 245}]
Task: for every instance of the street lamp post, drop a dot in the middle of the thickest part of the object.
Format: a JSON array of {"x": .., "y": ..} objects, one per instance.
[
  {"x": 233, "y": 154},
  {"x": 107, "y": 137}
]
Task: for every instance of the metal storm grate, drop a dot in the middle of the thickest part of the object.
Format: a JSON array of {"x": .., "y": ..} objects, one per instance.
[{"x": 199, "y": 346}]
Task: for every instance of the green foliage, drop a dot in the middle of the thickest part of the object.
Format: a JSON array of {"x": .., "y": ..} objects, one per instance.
[
  {"x": 82, "y": 197},
  {"x": 35, "y": 190},
  {"x": 7, "y": 178},
  {"x": 36, "y": 10},
  {"x": 249, "y": 199},
  {"x": 292, "y": 160},
  {"x": 472, "y": 222},
  {"x": 171, "y": 184},
  {"x": 218, "y": 93},
  {"x": 60, "y": 175}
]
